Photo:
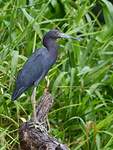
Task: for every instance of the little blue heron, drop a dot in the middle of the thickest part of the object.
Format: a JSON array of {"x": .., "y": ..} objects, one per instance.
[{"x": 37, "y": 66}]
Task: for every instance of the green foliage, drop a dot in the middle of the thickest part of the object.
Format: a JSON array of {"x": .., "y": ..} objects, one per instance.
[{"x": 81, "y": 80}]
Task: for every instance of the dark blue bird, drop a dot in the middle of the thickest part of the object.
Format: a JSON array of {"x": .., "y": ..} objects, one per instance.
[{"x": 38, "y": 64}]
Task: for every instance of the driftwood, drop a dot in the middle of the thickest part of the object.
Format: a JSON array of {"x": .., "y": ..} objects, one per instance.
[{"x": 35, "y": 136}]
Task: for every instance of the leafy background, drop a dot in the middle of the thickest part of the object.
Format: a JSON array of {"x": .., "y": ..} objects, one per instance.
[{"x": 81, "y": 81}]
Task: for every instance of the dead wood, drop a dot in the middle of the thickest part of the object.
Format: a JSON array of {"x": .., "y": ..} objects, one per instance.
[{"x": 35, "y": 136}]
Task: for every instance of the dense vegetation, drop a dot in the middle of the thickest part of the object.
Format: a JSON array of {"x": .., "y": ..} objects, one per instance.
[{"x": 81, "y": 81}]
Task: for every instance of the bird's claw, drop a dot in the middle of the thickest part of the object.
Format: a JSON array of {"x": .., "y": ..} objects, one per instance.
[{"x": 38, "y": 126}]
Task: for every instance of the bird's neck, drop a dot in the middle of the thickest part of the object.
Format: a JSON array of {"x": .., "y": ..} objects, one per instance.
[{"x": 51, "y": 46}]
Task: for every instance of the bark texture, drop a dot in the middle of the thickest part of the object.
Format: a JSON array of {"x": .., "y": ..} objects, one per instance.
[{"x": 34, "y": 136}]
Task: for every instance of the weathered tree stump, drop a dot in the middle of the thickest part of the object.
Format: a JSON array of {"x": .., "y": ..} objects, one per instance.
[{"x": 35, "y": 136}]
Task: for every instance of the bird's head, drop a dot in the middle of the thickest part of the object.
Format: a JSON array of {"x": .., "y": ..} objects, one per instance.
[{"x": 55, "y": 34}]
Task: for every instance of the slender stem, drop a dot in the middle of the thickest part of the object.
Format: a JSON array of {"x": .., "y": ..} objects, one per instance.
[{"x": 33, "y": 100}]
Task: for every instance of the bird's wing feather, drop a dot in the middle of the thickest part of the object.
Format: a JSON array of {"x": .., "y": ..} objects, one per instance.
[
  {"x": 18, "y": 92},
  {"x": 32, "y": 70}
]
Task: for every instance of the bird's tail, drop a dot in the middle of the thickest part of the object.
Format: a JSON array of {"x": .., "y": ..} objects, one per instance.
[{"x": 17, "y": 93}]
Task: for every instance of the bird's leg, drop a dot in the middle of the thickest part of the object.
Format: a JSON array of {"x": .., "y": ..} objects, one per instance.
[
  {"x": 48, "y": 124},
  {"x": 33, "y": 100},
  {"x": 46, "y": 89},
  {"x": 48, "y": 83},
  {"x": 35, "y": 123}
]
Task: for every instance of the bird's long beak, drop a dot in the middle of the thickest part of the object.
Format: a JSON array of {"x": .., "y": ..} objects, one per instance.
[{"x": 62, "y": 35}]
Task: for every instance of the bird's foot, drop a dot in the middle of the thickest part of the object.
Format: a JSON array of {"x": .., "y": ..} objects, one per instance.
[{"x": 38, "y": 126}]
